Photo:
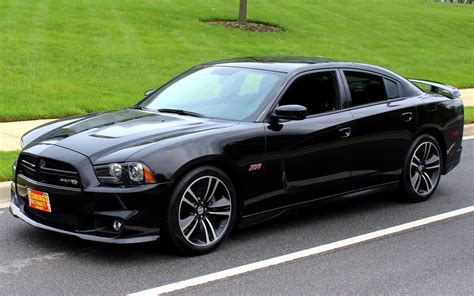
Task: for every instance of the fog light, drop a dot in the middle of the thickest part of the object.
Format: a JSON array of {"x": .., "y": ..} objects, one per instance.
[{"x": 117, "y": 225}]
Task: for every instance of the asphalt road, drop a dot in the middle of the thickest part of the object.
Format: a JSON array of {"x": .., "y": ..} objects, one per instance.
[{"x": 434, "y": 259}]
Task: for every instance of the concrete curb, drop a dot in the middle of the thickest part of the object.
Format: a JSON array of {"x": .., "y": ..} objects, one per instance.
[
  {"x": 5, "y": 194},
  {"x": 469, "y": 130}
]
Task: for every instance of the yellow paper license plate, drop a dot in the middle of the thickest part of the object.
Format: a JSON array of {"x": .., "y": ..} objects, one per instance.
[{"x": 39, "y": 200}]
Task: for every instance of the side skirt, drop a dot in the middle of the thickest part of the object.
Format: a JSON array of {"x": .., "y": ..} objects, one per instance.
[{"x": 273, "y": 213}]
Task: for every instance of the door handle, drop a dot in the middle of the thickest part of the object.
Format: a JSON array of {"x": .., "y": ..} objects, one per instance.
[
  {"x": 407, "y": 116},
  {"x": 345, "y": 132}
]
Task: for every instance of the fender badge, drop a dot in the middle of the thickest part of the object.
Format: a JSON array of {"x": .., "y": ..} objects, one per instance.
[{"x": 255, "y": 167}]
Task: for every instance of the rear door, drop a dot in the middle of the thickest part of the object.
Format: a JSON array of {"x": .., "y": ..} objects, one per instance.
[{"x": 384, "y": 124}]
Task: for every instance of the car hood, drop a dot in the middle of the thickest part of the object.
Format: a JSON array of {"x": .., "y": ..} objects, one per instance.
[{"x": 128, "y": 131}]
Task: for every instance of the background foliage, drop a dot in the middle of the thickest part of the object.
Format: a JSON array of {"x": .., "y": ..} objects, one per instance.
[{"x": 59, "y": 58}]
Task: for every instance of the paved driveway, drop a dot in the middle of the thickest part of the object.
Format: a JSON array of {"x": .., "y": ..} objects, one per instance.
[{"x": 434, "y": 259}]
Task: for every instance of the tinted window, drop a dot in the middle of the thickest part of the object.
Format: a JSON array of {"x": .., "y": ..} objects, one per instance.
[
  {"x": 365, "y": 88},
  {"x": 392, "y": 89},
  {"x": 317, "y": 92}
]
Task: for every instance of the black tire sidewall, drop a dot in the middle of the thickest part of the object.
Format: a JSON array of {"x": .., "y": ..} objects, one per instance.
[
  {"x": 171, "y": 224},
  {"x": 410, "y": 194}
]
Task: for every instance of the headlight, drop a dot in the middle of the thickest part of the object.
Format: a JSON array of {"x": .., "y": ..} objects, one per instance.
[{"x": 128, "y": 173}]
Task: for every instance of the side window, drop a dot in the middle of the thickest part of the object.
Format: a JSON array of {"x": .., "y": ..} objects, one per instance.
[
  {"x": 365, "y": 88},
  {"x": 392, "y": 89},
  {"x": 317, "y": 92}
]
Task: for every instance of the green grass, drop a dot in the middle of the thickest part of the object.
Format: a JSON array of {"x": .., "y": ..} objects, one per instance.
[
  {"x": 468, "y": 115},
  {"x": 6, "y": 160},
  {"x": 59, "y": 58}
]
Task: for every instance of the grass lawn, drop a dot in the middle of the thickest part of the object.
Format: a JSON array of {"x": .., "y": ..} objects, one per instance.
[
  {"x": 6, "y": 160},
  {"x": 469, "y": 114},
  {"x": 60, "y": 58}
]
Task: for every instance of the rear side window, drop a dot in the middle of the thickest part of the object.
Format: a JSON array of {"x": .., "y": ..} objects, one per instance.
[
  {"x": 365, "y": 88},
  {"x": 392, "y": 89}
]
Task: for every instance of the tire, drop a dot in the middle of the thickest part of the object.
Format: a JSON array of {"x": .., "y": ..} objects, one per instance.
[
  {"x": 422, "y": 170},
  {"x": 201, "y": 211}
]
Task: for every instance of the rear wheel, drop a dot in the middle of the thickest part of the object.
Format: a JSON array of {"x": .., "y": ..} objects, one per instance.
[
  {"x": 422, "y": 170},
  {"x": 201, "y": 211}
]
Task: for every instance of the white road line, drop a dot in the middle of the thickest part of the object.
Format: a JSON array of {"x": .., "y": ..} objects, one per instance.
[
  {"x": 468, "y": 138},
  {"x": 4, "y": 205},
  {"x": 301, "y": 254}
]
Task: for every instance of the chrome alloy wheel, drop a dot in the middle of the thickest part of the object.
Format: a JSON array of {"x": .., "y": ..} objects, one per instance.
[
  {"x": 425, "y": 168},
  {"x": 205, "y": 211}
]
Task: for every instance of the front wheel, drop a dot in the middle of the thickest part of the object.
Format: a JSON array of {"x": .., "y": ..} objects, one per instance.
[
  {"x": 201, "y": 211},
  {"x": 422, "y": 170}
]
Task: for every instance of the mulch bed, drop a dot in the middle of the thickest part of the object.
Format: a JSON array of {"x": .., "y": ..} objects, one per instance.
[{"x": 248, "y": 26}]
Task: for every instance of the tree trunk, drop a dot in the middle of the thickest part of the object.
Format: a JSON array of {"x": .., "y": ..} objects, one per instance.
[{"x": 242, "y": 12}]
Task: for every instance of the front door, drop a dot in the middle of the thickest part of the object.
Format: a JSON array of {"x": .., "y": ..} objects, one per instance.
[{"x": 309, "y": 158}]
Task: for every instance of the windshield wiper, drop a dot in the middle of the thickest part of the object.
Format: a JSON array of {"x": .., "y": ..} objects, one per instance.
[{"x": 181, "y": 112}]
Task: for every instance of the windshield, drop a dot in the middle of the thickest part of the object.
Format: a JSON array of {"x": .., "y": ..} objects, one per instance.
[{"x": 217, "y": 92}]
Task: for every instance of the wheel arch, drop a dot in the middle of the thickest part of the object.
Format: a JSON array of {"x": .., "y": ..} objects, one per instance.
[
  {"x": 218, "y": 162},
  {"x": 436, "y": 133}
]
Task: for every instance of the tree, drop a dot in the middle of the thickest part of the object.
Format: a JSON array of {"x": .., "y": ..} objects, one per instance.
[{"x": 242, "y": 12}]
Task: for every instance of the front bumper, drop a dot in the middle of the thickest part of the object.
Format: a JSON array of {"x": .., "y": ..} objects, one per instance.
[
  {"x": 87, "y": 210},
  {"x": 93, "y": 221},
  {"x": 17, "y": 212}
]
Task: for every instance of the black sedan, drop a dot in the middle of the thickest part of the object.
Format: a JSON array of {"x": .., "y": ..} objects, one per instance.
[{"x": 236, "y": 142}]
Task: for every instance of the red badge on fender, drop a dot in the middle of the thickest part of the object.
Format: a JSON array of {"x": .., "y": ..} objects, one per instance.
[{"x": 255, "y": 167}]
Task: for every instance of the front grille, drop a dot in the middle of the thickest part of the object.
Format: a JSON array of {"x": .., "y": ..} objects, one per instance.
[
  {"x": 48, "y": 171},
  {"x": 27, "y": 165}
]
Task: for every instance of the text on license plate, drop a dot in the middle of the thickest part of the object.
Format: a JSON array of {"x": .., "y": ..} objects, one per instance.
[{"x": 39, "y": 200}]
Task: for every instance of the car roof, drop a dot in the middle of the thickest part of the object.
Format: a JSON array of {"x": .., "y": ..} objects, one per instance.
[
  {"x": 290, "y": 64},
  {"x": 295, "y": 64}
]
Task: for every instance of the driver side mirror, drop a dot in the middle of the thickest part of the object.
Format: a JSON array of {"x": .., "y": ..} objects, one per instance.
[
  {"x": 290, "y": 112},
  {"x": 149, "y": 92}
]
